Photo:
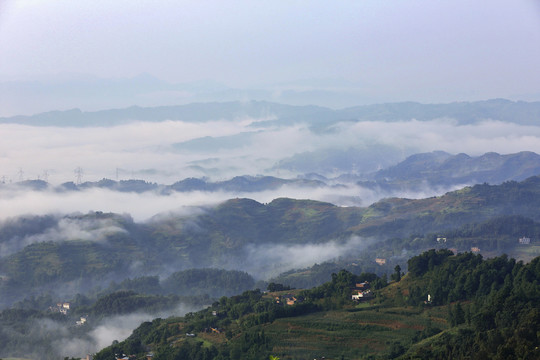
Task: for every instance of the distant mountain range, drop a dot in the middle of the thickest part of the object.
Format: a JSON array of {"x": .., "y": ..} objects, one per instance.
[
  {"x": 417, "y": 172},
  {"x": 440, "y": 169},
  {"x": 524, "y": 113}
]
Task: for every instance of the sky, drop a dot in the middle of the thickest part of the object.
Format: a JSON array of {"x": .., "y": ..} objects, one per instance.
[{"x": 427, "y": 51}]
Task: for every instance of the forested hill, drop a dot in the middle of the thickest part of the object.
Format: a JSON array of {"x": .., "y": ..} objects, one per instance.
[
  {"x": 439, "y": 168},
  {"x": 471, "y": 204},
  {"x": 446, "y": 307},
  {"x": 236, "y": 233}
]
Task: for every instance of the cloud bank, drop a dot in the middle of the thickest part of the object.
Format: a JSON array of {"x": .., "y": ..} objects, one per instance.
[
  {"x": 268, "y": 260},
  {"x": 142, "y": 207},
  {"x": 145, "y": 150},
  {"x": 103, "y": 333}
]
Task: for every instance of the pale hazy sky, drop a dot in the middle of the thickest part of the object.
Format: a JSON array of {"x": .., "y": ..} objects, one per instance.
[{"x": 428, "y": 50}]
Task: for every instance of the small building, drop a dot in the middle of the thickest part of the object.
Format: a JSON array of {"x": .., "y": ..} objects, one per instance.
[
  {"x": 61, "y": 307},
  {"x": 475, "y": 249},
  {"x": 362, "y": 295},
  {"x": 291, "y": 299},
  {"x": 288, "y": 299},
  {"x": 380, "y": 261},
  {"x": 524, "y": 240},
  {"x": 441, "y": 240},
  {"x": 363, "y": 285}
]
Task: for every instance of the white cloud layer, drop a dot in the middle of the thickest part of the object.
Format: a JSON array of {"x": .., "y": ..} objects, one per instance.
[
  {"x": 32, "y": 152},
  {"x": 146, "y": 205},
  {"x": 65, "y": 230},
  {"x": 113, "y": 328},
  {"x": 266, "y": 261},
  {"x": 143, "y": 150}
]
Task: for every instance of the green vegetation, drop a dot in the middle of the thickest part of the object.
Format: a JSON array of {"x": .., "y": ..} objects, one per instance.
[
  {"x": 484, "y": 216},
  {"x": 213, "y": 282},
  {"x": 474, "y": 303},
  {"x": 35, "y": 326},
  {"x": 485, "y": 309}
]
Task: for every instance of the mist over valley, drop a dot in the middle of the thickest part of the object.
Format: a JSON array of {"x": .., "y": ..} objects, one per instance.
[
  {"x": 240, "y": 180},
  {"x": 72, "y": 232}
]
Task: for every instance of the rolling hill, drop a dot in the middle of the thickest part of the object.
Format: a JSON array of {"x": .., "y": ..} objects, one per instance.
[{"x": 236, "y": 234}]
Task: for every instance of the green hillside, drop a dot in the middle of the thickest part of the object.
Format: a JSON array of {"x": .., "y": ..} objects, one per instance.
[
  {"x": 477, "y": 309},
  {"x": 221, "y": 236}
]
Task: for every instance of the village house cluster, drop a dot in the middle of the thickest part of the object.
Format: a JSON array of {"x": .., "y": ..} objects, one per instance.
[
  {"x": 61, "y": 307},
  {"x": 288, "y": 299},
  {"x": 524, "y": 240},
  {"x": 362, "y": 291}
]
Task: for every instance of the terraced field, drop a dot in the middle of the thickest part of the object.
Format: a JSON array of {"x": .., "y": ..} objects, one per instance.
[{"x": 353, "y": 333}]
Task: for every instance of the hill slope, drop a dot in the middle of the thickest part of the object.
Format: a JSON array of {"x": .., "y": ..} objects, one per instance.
[
  {"x": 485, "y": 309},
  {"x": 243, "y": 234}
]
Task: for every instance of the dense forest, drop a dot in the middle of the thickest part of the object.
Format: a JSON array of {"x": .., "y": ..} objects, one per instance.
[{"x": 476, "y": 309}]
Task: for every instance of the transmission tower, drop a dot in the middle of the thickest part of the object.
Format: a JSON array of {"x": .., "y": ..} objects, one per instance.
[
  {"x": 21, "y": 174},
  {"x": 79, "y": 174}
]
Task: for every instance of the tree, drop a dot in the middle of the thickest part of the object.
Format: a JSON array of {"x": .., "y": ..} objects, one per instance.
[
  {"x": 459, "y": 314},
  {"x": 277, "y": 287},
  {"x": 397, "y": 273}
]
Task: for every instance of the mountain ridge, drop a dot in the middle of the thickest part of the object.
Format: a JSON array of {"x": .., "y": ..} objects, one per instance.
[
  {"x": 227, "y": 234},
  {"x": 520, "y": 112}
]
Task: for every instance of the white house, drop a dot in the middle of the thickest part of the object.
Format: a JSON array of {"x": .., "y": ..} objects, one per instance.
[
  {"x": 524, "y": 240},
  {"x": 362, "y": 295}
]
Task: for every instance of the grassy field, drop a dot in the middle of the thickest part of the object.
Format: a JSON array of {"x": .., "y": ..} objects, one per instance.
[{"x": 350, "y": 334}]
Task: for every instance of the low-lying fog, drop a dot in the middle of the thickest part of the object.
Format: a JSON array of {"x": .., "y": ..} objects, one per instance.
[
  {"x": 169, "y": 151},
  {"x": 146, "y": 205},
  {"x": 64, "y": 341}
]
